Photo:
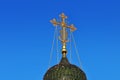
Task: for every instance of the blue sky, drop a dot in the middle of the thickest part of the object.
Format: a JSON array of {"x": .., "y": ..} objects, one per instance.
[{"x": 26, "y": 37}]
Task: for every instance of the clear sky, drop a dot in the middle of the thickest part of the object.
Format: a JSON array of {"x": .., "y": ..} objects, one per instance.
[{"x": 26, "y": 37}]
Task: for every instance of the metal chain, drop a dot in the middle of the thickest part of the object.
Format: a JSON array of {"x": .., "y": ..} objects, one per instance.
[
  {"x": 51, "y": 51},
  {"x": 57, "y": 44},
  {"x": 77, "y": 51},
  {"x": 70, "y": 46}
]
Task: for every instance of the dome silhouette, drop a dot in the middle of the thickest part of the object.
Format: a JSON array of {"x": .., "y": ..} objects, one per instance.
[{"x": 65, "y": 71}]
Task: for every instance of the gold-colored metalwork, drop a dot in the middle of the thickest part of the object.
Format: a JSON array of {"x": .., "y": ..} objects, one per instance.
[{"x": 63, "y": 32}]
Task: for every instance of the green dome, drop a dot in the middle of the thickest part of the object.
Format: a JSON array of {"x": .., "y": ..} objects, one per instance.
[{"x": 65, "y": 71}]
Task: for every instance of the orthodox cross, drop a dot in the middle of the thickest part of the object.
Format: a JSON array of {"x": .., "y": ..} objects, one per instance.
[{"x": 63, "y": 31}]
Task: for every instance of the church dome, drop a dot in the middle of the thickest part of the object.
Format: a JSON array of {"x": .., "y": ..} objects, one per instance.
[{"x": 65, "y": 71}]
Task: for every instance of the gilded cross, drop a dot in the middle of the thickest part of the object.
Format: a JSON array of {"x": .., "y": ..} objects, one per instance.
[{"x": 63, "y": 31}]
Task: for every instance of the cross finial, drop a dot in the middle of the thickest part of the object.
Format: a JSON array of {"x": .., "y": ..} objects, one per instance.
[
  {"x": 63, "y": 31},
  {"x": 63, "y": 17}
]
